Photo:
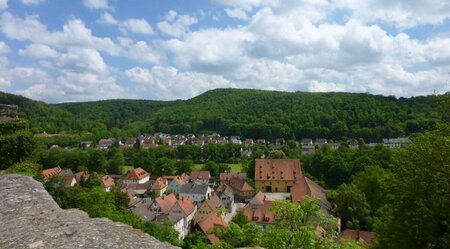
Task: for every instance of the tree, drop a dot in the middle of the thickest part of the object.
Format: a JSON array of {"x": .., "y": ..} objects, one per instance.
[
  {"x": 373, "y": 183},
  {"x": 97, "y": 162},
  {"x": 116, "y": 163},
  {"x": 184, "y": 166},
  {"x": 16, "y": 142},
  {"x": 416, "y": 214},
  {"x": 164, "y": 166},
  {"x": 352, "y": 207}
]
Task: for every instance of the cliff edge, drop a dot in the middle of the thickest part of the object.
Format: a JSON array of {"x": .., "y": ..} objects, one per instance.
[{"x": 30, "y": 218}]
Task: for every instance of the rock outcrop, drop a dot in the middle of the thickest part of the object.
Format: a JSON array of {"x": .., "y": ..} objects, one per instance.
[
  {"x": 8, "y": 112},
  {"x": 30, "y": 218}
]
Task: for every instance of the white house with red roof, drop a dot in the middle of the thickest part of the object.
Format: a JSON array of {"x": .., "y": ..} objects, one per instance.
[{"x": 137, "y": 176}]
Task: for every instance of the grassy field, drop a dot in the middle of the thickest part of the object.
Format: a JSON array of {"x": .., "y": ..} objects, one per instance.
[{"x": 234, "y": 167}]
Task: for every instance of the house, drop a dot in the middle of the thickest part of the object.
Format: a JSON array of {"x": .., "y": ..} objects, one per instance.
[
  {"x": 396, "y": 142},
  {"x": 105, "y": 144},
  {"x": 362, "y": 237},
  {"x": 235, "y": 140},
  {"x": 69, "y": 177},
  {"x": 81, "y": 177},
  {"x": 306, "y": 141},
  {"x": 47, "y": 173},
  {"x": 137, "y": 175},
  {"x": 142, "y": 209},
  {"x": 175, "y": 184},
  {"x": 261, "y": 141},
  {"x": 159, "y": 186},
  {"x": 320, "y": 141},
  {"x": 226, "y": 195},
  {"x": 129, "y": 143},
  {"x": 276, "y": 175},
  {"x": 107, "y": 182},
  {"x": 181, "y": 216},
  {"x": 280, "y": 141},
  {"x": 211, "y": 221},
  {"x": 85, "y": 144},
  {"x": 352, "y": 143},
  {"x": 200, "y": 176},
  {"x": 248, "y": 142},
  {"x": 305, "y": 187},
  {"x": 163, "y": 204},
  {"x": 308, "y": 149},
  {"x": 196, "y": 192},
  {"x": 242, "y": 191},
  {"x": 226, "y": 177},
  {"x": 257, "y": 210},
  {"x": 211, "y": 204}
]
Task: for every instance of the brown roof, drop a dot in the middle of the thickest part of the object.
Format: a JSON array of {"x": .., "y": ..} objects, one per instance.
[
  {"x": 159, "y": 184},
  {"x": 226, "y": 176},
  {"x": 363, "y": 237},
  {"x": 47, "y": 173},
  {"x": 107, "y": 181},
  {"x": 306, "y": 187},
  {"x": 257, "y": 210},
  {"x": 213, "y": 201},
  {"x": 69, "y": 180},
  {"x": 186, "y": 205},
  {"x": 81, "y": 176},
  {"x": 277, "y": 169},
  {"x": 200, "y": 174},
  {"x": 179, "y": 181},
  {"x": 240, "y": 185},
  {"x": 135, "y": 174},
  {"x": 210, "y": 221},
  {"x": 166, "y": 202}
]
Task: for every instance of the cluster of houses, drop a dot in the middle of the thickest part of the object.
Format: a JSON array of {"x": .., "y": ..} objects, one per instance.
[
  {"x": 199, "y": 201},
  {"x": 307, "y": 145},
  {"x": 71, "y": 179}
]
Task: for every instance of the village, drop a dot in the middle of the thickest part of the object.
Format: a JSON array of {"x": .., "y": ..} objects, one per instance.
[{"x": 198, "y": 201}]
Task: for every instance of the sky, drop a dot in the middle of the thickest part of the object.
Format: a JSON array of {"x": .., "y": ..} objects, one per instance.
[{"x": 85, "y": 50}]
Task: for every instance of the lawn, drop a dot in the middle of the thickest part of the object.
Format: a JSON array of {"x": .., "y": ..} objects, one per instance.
[{"x": 234, "y": 167}]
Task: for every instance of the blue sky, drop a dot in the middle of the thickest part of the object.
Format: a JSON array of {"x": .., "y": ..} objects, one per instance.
[{"x": 65, "y": 50}]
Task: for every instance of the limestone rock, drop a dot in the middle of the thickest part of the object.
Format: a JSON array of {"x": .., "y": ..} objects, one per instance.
[{"x": 30, "y": 218}]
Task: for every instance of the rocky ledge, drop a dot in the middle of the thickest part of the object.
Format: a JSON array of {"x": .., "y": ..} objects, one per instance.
[{"x": 30, "y": 218}]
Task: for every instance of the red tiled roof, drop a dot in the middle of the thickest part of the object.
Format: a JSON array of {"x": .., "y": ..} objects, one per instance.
[
  {"x": 226, "y": 176},
  {"x": 136, "y": 174},
  {"x": 166, "y": 202},
  {"x": 277, "y": 169},
  {"x": 200, "y": 174},
  {"x": 159, "y": 184},
  {"x": 107, "y": 181},
  {"x": 306, "y": 187},
  {"x": 257, "y": 210},
  {"x": 186, "y": 205},
  {"x": 47, "y": 173},
  {"x": 300, "y": 190},
  {"x": 364, "y": 237},
  {"x": 210, "y": 221},
  {"x": 179, "y": 180}
]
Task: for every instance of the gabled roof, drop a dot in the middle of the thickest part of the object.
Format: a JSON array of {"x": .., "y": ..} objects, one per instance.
[
  {"x": 258, "y": 199},
  {"x": 107, "y": 181},
  {"x": 306, "y": 187},
  {"x": 363, "y": 237},
  {"x": 186, "y": 206},
  {"x": 210, "y": 221},
  {"x": 200, "y": 174},
  {"x": 241, "y": 185},
  {"x": 258, "y": 210},
  {"x": 277, "y": 169},
  {"x": 224, "y": 188},
  {"x": 81, "y": 176},
  {"x": 47, "y": 173},
  {"x": 159, "y": 184},
  {"x": 166, "y": 202},
  {"x": 226, "y": 176},
  {"x": 135, "y": 174},
  {"x": 194, "y": 188},
  {"x": 213, "y": 201},
  {"x": 178, "y": 180}
]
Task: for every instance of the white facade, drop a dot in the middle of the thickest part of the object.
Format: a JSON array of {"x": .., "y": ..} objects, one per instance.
[{"x": 136, "y": 181}]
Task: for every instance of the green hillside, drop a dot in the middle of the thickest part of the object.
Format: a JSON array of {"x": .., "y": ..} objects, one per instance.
[{"x": 248, "y": 113}]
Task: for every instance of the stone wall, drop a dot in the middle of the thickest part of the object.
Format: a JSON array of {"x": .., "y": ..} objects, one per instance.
[
  {"x": 8, "y": 112},
  {"x": 30, "y": 218}
]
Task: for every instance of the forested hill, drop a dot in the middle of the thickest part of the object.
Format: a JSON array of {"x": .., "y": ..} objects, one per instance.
[
  {"x": 248, "y": 113},
  {"x": 272, "y": 114}
]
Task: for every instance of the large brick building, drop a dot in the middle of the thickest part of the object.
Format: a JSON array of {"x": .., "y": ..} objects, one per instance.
[{"x": 276, "y": 175}]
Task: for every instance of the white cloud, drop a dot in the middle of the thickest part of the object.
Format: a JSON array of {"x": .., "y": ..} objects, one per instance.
[
  {"x": 4, "y": 49},
  {"x": 237, "y": 13},
  {"x": 32, "y": 2},
  {"x": 140, "y": 51},
  {"x": 96, "y": 4},
  {"x": 176, "y": 25},
  {"x": 39, "y": 51},
  {"x": 3, "y": 4},
  {"x": 169, "y": 83},
  {"x": 137, "y": 26}
]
